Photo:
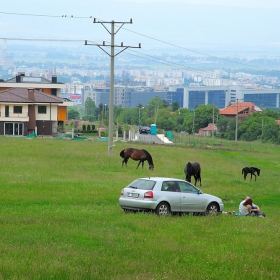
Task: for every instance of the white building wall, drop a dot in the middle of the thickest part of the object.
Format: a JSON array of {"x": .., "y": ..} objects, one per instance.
[
  {"x": 51, "y": 113},
  {"x": 23, "y": 117}
]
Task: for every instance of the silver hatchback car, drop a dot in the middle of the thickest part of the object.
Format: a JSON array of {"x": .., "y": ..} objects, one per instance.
[{"x": 168, "y": 195}]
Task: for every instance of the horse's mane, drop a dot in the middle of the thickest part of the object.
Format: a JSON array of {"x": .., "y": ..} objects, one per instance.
[
  {"x": 257, "y": 170},
  {"x": 149, "y": 157}
]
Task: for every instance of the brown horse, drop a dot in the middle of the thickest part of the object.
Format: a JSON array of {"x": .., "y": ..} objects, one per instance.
[{"x": 136, "y": 155}]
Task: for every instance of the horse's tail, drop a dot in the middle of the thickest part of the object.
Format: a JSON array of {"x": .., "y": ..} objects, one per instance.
[
  {"x": 243, "y": 170},
  {"x": 122, "y": 153}
]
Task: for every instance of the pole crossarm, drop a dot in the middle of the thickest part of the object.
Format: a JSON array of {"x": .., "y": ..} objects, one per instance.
[
  {"x": 113, "y": 22},
  {"x": 115, "y": 46}
]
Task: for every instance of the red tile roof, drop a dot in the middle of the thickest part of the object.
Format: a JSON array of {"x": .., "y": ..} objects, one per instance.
[
  {"x": 20, "y": 95},
  {"x": 240, "y": 107},
  {"x": 210, "y": 127}
]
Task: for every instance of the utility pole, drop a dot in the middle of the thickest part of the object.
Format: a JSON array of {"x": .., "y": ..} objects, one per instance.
[
  {"x": 112, "y": 55},
  {"x": 213, "y": 122},
  {"x": 236, "y": 124},
  {"x": 193, "y": 122}
]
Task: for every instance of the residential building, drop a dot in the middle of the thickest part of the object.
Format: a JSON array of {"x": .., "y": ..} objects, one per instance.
[
  {"x": 24, "y": 111},
  {"x": 52, "y": 87},
  {"x": 207, "y": 131},
  {"x": 243, "y": 109},
  {"x": 44, "y": 113}
]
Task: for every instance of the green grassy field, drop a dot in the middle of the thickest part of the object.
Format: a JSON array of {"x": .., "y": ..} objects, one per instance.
[{"x": 60, "y": 217}]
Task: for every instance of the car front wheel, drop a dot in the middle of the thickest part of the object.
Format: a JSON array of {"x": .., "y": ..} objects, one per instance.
[
  {"x": 212, "y": 209},
  {"x": 163, "y": 209}
]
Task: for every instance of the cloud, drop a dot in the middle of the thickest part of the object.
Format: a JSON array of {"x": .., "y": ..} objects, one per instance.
[{"x": 273, "y": 4}]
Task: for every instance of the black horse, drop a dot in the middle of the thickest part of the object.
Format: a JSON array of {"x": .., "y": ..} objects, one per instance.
[
  {"x": 137, "y": 155},
  {"x": 193, "y": 169},
  {"x": 252, "y": 171}
]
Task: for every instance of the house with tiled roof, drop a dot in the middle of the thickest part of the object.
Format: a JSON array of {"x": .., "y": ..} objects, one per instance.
[
  {"x": 207, "y": 131},
  {"x": 243, "y": 109},
  {"x": 25, "y": 110}
]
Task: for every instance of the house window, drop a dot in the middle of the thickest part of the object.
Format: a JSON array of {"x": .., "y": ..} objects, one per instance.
[
  {"x": 17, "y": 109},
  {"x": 42, "y": 109}
]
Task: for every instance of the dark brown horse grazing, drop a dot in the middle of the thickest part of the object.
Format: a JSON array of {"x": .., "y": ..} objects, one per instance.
[
  {"x": 252, "y": 171},
  {"x": 193, "y": 169},
  {"x": 136, "y": 155}
]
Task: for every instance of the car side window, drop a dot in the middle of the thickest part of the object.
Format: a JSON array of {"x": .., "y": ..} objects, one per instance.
[
  {"x": 170, "y": 186},
  {"x": 187, "y": 188}
]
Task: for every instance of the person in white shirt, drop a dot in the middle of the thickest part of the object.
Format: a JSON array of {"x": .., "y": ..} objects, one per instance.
[{"x": 255, "y": 208}]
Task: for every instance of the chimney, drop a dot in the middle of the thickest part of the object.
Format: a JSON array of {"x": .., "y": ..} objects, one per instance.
[
  {"x": 31, "y": 95},
  {"x": 18, "y": 79},
  {"x": 54, "y": 79}
]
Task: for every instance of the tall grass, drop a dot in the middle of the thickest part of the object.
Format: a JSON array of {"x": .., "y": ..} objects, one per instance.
[{"x": 60, "y": 217}]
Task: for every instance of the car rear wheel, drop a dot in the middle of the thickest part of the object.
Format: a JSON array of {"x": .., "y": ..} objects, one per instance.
[
  {"x": 163, "y": 209},
  {"x": 212, "y": 209}
]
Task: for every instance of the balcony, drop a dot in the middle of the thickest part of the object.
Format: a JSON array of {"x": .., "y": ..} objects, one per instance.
[{"x": 14, "y": 116}]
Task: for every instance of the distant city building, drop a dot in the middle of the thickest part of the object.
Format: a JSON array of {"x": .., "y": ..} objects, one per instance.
[
  {"x": 221, "y": 96},
  {"x": 76, "y": 99},
  {"x": 143, "y": 97},
  {"x": 98, "y": 95}
]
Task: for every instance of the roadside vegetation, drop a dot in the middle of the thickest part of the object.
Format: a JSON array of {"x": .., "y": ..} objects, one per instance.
[
  {"x": 60, "y": 217},
  {"x": 257, "y": 126}
]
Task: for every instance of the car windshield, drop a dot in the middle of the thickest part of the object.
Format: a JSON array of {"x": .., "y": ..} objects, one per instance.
[{"x": 142, "y": 184}]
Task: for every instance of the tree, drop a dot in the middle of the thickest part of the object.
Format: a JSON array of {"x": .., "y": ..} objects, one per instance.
[
  {"x": 73, "y": 113},
  {"x": 166, "y": 120},
  {"x": 90, "y": 109},
  {"x": 175, "y": 106},
  {"x": 271, "y": 131},
  {"x": 204, "y": 116},
  {"x": 251, "y": 129},
  {"x": 222, "y": 124}
]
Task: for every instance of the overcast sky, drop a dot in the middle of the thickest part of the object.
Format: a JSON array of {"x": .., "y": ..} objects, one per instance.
[{"x": 187, "y": 25}]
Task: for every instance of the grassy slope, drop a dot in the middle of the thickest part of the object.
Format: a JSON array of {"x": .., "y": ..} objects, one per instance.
[{"x": 60, "y": 218}]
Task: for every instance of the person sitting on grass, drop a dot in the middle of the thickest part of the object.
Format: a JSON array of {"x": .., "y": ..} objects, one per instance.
[
  {"x": 255, "y": 208},
  {"x": 247, "y": 208}
]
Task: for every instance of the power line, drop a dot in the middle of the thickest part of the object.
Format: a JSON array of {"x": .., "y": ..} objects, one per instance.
[
  {"x": 149, "y": 37},
  {"x": 216, "y": 57},
  {"x": 142, "y": 55},
  {"x": 43, "y": 40},
  {"x": 50, "y": 16}
]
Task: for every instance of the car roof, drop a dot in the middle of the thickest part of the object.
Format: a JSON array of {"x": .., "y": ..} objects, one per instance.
[{"x": 161, "y": 179}]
